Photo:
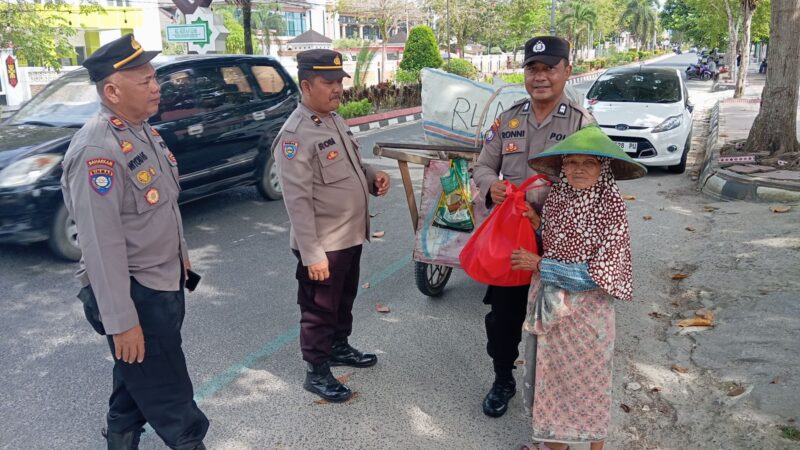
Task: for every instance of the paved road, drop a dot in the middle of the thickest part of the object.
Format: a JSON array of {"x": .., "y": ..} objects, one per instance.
[{"x": 241, "y": 332}]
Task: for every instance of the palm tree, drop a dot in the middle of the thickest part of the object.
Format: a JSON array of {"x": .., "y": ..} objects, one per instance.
[
  {"x": 641, "y": 15},
  {"x": 579, "y": 16},
  {"x": 268, "y": 19}
]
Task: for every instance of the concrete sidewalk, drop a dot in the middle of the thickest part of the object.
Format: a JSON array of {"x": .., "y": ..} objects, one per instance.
[{"x": 748, "y": 180}]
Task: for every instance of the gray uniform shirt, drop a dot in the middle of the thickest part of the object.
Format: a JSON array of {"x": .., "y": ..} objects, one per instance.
[
  {"x": 516, "y": 136},
  {"x": 325, "y": 184},
  {"x": 120, "y": 184}
]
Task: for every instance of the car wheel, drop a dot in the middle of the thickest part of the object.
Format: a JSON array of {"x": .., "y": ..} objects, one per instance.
[
  {"x": 681, "y": 166},
  {"x": 64, "y": 236},
  {"x": 269, "y": 185}
]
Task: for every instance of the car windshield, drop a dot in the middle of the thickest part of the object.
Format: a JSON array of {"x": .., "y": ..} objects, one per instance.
[
  {"x": 68, "y": 101},
  {"x": 638, "y": 87}
]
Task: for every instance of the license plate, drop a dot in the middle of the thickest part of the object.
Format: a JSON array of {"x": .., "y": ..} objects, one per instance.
[{"x": 628, "y": 147}]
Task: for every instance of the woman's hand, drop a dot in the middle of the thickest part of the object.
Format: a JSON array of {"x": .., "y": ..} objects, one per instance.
[
  {"x": 522, "y": 259},
  {"x": 533, "y": 216}
]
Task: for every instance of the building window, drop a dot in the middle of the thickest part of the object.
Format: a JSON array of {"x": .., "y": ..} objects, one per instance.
[{"x": 295, "y": 23}]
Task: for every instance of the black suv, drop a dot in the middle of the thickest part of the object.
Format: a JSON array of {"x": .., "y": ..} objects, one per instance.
[{"x": 218, "y": 115}]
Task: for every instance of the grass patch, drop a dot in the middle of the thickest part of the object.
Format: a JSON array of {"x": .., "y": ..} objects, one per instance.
[{"x": 790, "y": 432}]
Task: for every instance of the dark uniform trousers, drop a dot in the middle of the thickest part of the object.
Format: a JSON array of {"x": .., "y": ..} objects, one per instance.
[
  {"x": 326, "y": 306},
  {"x": 504, "y": 325},
  {"x": 157, "y": 391}
]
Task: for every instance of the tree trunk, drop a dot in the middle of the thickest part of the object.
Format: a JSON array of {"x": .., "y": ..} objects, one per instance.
[
  {"x": 747, "y": 20},
  {"x": 775, "y": 127},
  {"x": 247, "y": 9},
  {"x": 733, "y": 35}
]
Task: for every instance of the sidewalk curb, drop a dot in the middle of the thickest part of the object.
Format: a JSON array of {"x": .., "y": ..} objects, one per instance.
[
  {"x": 376, "y": 121},
  {"x": 722, "y": 184}
]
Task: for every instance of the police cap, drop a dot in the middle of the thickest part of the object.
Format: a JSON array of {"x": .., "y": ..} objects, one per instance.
[
  {"x": 120, "y": 54},
  {"x": 326, "y": 63},
  {"x": 547, "y": 49}
]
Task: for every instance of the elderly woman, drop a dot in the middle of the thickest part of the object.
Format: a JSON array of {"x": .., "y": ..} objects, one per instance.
[{"x": 586, "y": 264}]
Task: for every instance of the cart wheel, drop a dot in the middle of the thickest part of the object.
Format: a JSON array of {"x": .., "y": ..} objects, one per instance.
[{"x": 431, "y": 278}]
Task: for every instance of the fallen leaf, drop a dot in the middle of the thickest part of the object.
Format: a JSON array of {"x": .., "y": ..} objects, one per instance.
[
  {"x": 629, "y": 197},
  {"x": 321, "y": 401},
  {"x": 780, "y": 209},
  {"x": 365, "y": 286},
  {"x": 378, "y": 234},
  {"x": 373, "y": 214},
  {"x": 648, "y": 217},
  {"x": 696, "y": 322},
  {"x": 790, "y": 420},
  {"x": 679, "y": 369},
  {"x": 679, "y": 276},
  {"x": 736, "y": 391},
  {"x": 705, "y": 314},
  {"x": 775, "y": 380},
  {"x": 710, "y": 209},
  {"x": 689, "y": 228},
  {"x": 655, "y": 389},
  {"x": 625, "y": 407},
  {"x": 381, "y": 308},
  {"x": 344, "y": 378},
  {"x": 656, "y": 315}
]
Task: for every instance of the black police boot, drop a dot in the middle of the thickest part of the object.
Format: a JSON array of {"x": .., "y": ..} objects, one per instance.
[
  {"x": 345, "y": 355},
  {"x": 123, "y": 441},
  {"x": 200, "y": 446},
  {"x": 320, "y": 381},
  {"x": 496, "y": 402}
]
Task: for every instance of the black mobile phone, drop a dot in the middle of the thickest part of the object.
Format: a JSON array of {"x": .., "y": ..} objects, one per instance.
[{"x": 192, "y": 280}]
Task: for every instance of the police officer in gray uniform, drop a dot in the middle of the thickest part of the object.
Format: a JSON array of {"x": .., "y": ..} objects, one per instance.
[
  {"x": 326, "y": 189},
  {"x": 529, "y": 127},
  {"x": 120, "y": 184}
]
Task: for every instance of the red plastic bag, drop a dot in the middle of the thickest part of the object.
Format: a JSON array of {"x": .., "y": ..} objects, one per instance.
[{"x": 486, "y": 257}]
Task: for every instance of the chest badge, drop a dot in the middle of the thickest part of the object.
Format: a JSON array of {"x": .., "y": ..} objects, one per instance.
[
  {"x": 144, "y": 177},
  {"x": 332, "y": 155},
  {"x": 152, "y": 196},
  {"x": 512, "y": 147},
  {"x": 513, "y": 124},
  {"x": 316, "y": 120},
  {"x": 171, "y": 158},
  {"x": 289, "y": 149},
  {"x": 117, "y": 122},
  {"x": 126, "y": 146}
]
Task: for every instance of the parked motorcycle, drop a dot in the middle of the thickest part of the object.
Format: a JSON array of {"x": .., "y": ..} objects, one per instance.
[{"x": 698, "y": 72}]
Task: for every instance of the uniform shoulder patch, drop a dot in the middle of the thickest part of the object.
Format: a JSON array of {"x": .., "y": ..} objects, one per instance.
[
  {"x": 101, "y": 180},
  {"x": 290, "y": 149},
  {"x": 100, "y": 162}
]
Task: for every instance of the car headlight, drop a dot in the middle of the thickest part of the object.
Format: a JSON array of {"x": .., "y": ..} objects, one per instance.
[
  {"x": 670, "y": 123},
  {"x": 28, "y": 170}
]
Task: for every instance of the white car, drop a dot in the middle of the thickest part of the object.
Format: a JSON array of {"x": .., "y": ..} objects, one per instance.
[{"x": 646, "y": 111}]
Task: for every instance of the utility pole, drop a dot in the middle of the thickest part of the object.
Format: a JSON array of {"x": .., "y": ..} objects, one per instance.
[
  {"x": 448, "y": 35},
  {"x": 552, "y": 17}
]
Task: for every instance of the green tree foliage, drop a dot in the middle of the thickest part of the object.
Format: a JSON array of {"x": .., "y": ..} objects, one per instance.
[
  {"x": 580, "y": 17},
  {"x": 234, "y": 43},
  {"x": 641, "y": 19},
  {"x": 461, "y": 67},
  {"x": 467, "y": 21},
  {"x": 267, "y": 21},
  {"x": 363, "y": 61},
  {"x": 40, "y": 33},
  {"x": 521, "y": 20},
  {"x": 347, "y": 43},
  {"x": 421, "y": 51}
]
